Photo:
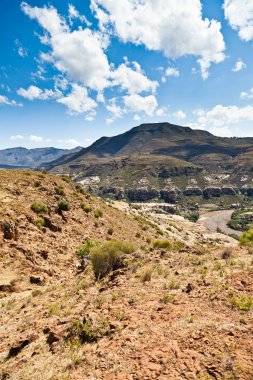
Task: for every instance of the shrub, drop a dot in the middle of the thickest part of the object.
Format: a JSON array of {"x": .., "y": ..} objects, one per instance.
[
  {"x": 163, "y": 244},
  {"x": 60, "y": 191},
  {"x": 80, "y": 189},
  {"x": 86, "y": 208},
  {"x": 146, "y": 274},
  {"x": 107, "y": 257},
  {"x": 167, "y": 298},
  {"x": 63, "y": 205},
  {"x": 39, "y": 207},
  {"x": 243, "y": 303},
  {"x": 110, "y": 231},
  {"x": 40, "y": 222},
  {"x": 247, "y": 238},
  {"x": 66, "y": 178},
  {"x": 84, "y": 250},
  {"x": 98, "y": 213},
  {"x": 6, "y": 226},
  {"x": 37, "y": 184}
]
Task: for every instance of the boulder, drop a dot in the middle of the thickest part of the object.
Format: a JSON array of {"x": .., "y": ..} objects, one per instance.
[
  {"x": 210, "y": 192},
  {"x": 193, "y": 191},
  {"x": 38, "y": 280},
  {"x": 116, "y": 192},
  {"x": 248, "y": 191},
  {"x": 142, "y": 194}
]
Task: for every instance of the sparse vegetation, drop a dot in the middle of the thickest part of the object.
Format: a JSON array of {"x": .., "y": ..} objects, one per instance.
[
  {"x": 247, "y": 238},
  {"x": 162, "y": 244},
  {"x": 106, "y": 257},
  {"x": 59, "y": 190},
  {"x": 86, "y": 208},
  {"x": 40, "y": 222},
  {"x": 243, "y": 303},
  {"x": 98, "y": 213},
  {"x": 63, "y": 205},
  {"x": 39, "y": 207}
]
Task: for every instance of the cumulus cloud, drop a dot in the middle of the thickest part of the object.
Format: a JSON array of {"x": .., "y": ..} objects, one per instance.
[
  {"x": 247, "y": 95},
  {"x": 4, "y": 100},
  {"x": 180, "y": 115},
  {"x": 133, "y": 79},
  {"x": 172, "y": 72},
  {"x": 116, "y": 111},
  {"x": 36, "y": 139},
  {"x": 218, "y": 119},
  {"x": 175, "y": 28},
  {"x": 70, "y": 142},
  {"x": 78, "y": 101},
  {"x": 17, "y": 138},
  {"x": 136, "y": 103},
  {"x": 74, "y": 14},
  {"x": 79, "y": 53},
  {"x": 239, "y": 65},
  {"x": 34, "y": 92},
  {"x": 239, "y": 14}
]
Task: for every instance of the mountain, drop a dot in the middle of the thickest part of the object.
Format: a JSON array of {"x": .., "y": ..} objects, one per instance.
[
  {"x": 158, "y": 156},
  {"x": 31, "y": 158}
]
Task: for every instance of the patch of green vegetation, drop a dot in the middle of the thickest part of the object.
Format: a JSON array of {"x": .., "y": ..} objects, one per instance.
[
  {"x": 66, "y": 178},
  {"x": 40, "y": 222},
  {"x": 39, "y": 207},
  {"x": 167, "y": 298},
  {"x": 37, "y": 184},
  {"x": 86, "y": 208},
  {"x": 59, "y": 190},
  {"x": 80, "y": 189},
  {"x": 84, "y": 250},
  {"x": 241, "y": 219},
  {"x": 98, "y": 213},
  {"x": 243, "y": 303},
  {"x": 63, "y": 205},
  {"x": 162, "y": 244},
  {"x": 6, "y": 226},
  {"x": 247, "y": 238},
  {"x": 106, "y": 257}
]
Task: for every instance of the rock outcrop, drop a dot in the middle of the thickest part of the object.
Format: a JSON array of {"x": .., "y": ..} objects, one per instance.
[
  {"x": 116, "y": 192},
  {"x": 210, "y": 192},
  {"x": 193, "y": 191},
  {"x": 229, "y": 190},
  {"x": 170, "y": 194},
  {"x": 142, "y": 194},
  {"x": 178, "y": 171}
]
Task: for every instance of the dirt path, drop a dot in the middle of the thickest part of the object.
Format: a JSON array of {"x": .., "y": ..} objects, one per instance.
[{"x": 218, "y": 219}]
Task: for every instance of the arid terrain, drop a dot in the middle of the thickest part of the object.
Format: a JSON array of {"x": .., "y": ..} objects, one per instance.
[{"x": 175, "y": 302}]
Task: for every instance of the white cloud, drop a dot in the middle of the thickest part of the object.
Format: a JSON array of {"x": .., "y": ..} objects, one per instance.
[
  {"x": 34, "y": 92},
  {"x": 137, "y": 118},
  {"x": 80, "y": 53},
  {"x": 17, "y": 138},
  {"x": 137, "y": 103},
  {"x": 36, "y": 139},
  {"x": 74, "y": 14},
  {"x": 172, "y": 72},
  {"x": 239, "y": 65},
  {"x": 180, "y": 115},
  {"x": 247, "y": 95},
  {"x": 78, "y": 101},
  {"x": 162, "y": 112},
  {"x": 221, "y": 131},
  {"x": 133, "y": 80},
  {"x": 220, "y": 117},
  {"x": 116, "y": 111},
  {"x": 6, "y": 101},
  {"x": 22, "y": 52},
  {"x": 239, "y": 14},
  {"x": 175, "y": 28}
]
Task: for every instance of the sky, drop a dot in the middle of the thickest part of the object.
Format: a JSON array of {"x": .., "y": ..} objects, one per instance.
[{"x": 71, "y": 72}]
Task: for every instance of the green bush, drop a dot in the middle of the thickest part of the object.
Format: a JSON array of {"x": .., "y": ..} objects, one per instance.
[
  {"x": 105, "y": 258},
  {"x": 163, "y": 244},
  {"x": 63, "y": 205},
  {"x": 6, "y": 226},
  {"x": 110, "y": 231},
  {"x": 60, "y": 191},
  {"x": 247, "y": 238},
  {"x": 40, "y": 222},
  {"x": 66, "y": 178},
  {"x": 243, "y": 303},
  {"x": 39, "y": 207},
  {"x": 80, "y": 189},
  {"x": 98, "y": 213},
  {"x": 86, "y": 208},
  {"x": 84, "y": 250}
]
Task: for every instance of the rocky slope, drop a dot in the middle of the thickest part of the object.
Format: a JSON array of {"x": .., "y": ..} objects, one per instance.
[
  {"x": 31, "y": 158},
  {"x": 179, "y": 305},
  {"x": 159, "y": 158}
]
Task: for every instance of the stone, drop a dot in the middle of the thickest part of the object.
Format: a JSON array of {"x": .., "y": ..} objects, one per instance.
[
  {"x": 193, "y": 191},
  {"x": 142, "y": 194},
  {"x": 38, "y": 280}
]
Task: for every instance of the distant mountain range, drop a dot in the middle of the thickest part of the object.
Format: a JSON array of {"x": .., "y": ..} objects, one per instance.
[
  {"x": 154, "y": 157},
  {"x": 31, "y": 158}
]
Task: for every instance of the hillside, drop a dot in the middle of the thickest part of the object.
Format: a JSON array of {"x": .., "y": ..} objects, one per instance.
[
  {"x": 176, "y": 308},
  {"x": 163, "y": 157},
  {"x": 31, "y": 158}
]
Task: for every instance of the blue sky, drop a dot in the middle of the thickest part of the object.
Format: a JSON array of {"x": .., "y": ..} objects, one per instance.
[{"x": 72, "y": 72}]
